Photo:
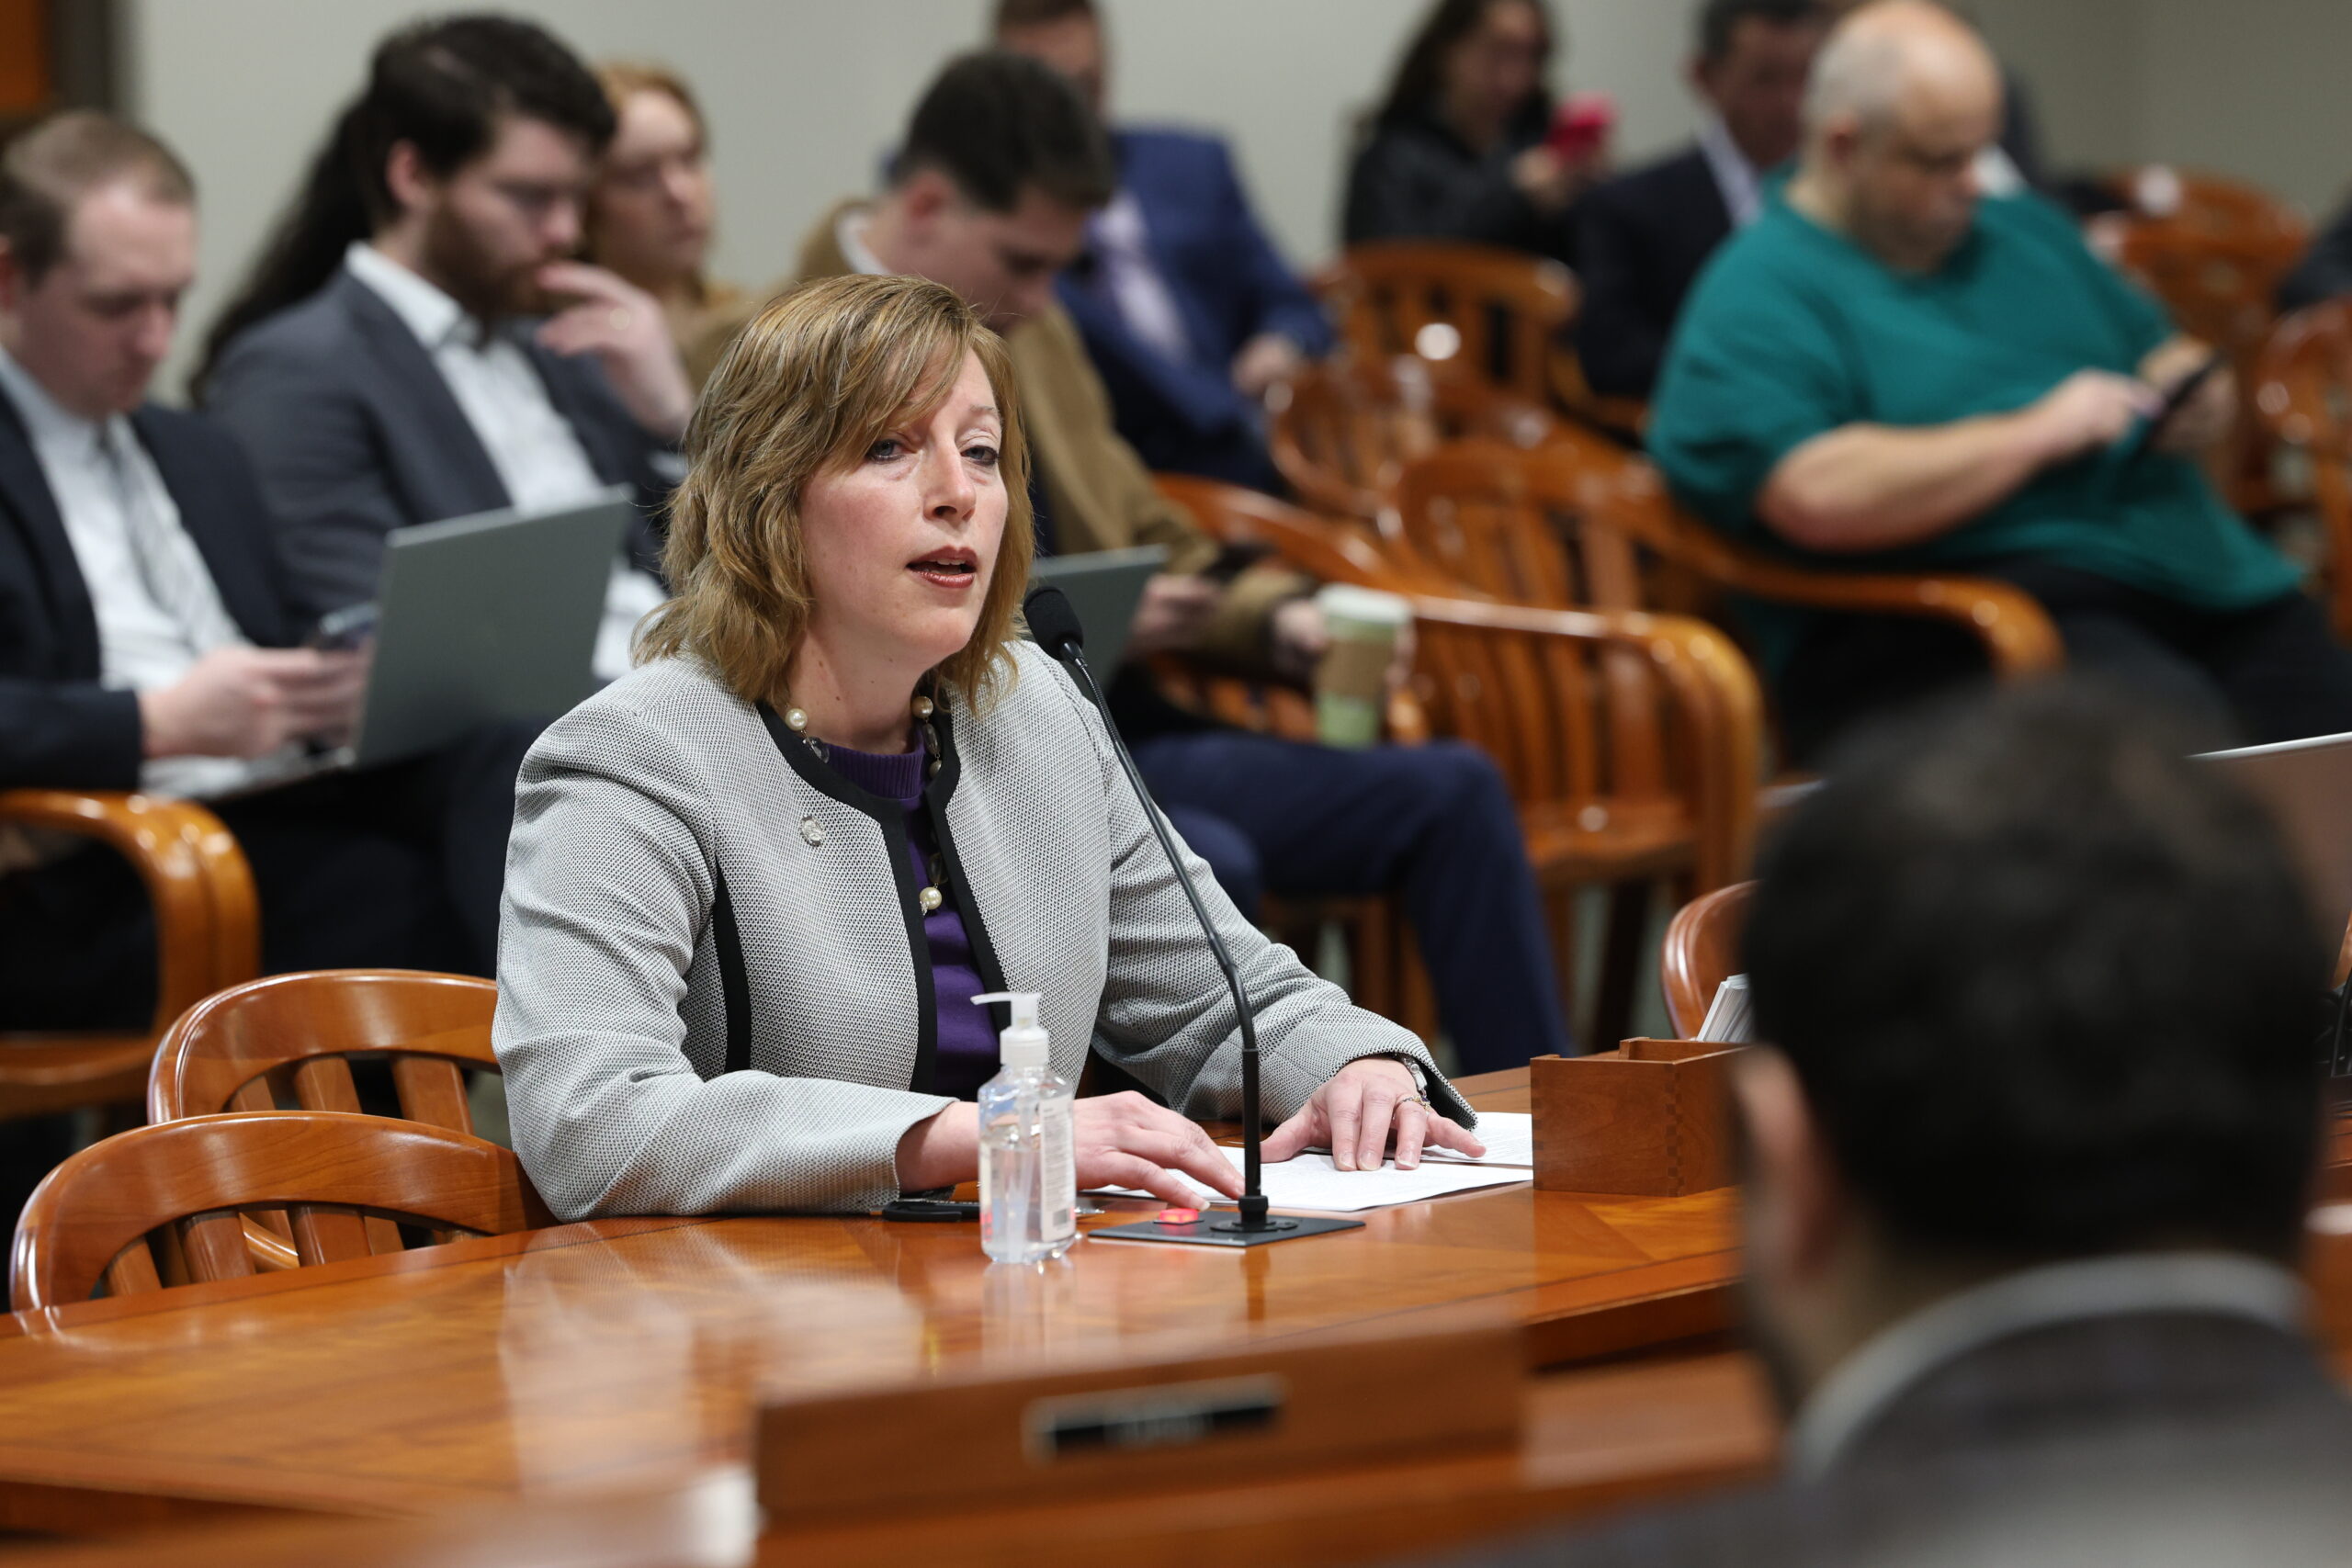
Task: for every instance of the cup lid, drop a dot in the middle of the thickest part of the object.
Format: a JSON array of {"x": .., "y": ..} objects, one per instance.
[{"x": 1345, "y": 601}]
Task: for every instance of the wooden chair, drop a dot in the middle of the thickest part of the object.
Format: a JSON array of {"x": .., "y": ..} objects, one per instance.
[
  {"x": 2208, "y": 206},
  {"x": 1630, "y": 742},
  {"x": 2302, "y": 392},
  {"x": 293, "y": 1036},
  {"x": 206, "y": 936},
  {"x": 1492, "y": 313},
  {"x": 1700, "y": 953},
  {"x": 1340, "y": 433},
  {"x": 1581, "y": 523},
  {"x": 162, "y": 1204},
  {"x": 2220, "y": 289}
]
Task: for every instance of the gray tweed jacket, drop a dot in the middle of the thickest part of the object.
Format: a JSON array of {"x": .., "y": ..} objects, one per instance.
[{"x": 711, "y": 993}]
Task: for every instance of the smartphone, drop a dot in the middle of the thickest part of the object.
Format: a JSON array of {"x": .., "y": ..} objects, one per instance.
[
  {"x": 1235, "y": 559},
  {"x": 1582, "y": 126},
  {"x": 2145, "y": 435},
  {"x": 339, "y": 630}
]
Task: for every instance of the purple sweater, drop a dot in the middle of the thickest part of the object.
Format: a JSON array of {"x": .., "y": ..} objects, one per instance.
[{"x": 966, "y": 1040}]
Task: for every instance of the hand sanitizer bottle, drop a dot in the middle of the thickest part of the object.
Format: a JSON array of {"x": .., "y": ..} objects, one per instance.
[{"x": 1028, "y": 1162}]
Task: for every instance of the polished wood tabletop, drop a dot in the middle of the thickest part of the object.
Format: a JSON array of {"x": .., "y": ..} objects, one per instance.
[{"x": 633, "y": 1352}]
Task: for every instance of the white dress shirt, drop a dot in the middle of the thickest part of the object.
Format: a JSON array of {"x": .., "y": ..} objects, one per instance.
[
  {"x": 1740, "y": 182},
  {"x": 538, "y": 457},
  {"x": 1140, "y": 294},
  {"x": 157, "y": 607}
]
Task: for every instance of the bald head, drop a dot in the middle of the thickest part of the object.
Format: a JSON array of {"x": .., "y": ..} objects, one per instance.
[
  {"x": 1903, "y": 99},
  {"x": 1897, "y": 55}
]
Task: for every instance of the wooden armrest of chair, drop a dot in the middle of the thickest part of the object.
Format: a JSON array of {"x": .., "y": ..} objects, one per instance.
[
  {"x": 207, "y": 915},
  {"x": 2016, "y": 631}
]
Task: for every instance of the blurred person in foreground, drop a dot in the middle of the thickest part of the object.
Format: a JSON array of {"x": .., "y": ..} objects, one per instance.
[
  {"x": 416, "y": 344},
  {"x": 1457, "y": 149},
  {"x": 651, "y": 212},
  {"x": 1887, "y": 372},
  {"x": 999, "y": 170},
  {"x": 2026, "y": 1162},
  {"x": 1642, "y": 236},
  {"x": 1189, "y": 312}
]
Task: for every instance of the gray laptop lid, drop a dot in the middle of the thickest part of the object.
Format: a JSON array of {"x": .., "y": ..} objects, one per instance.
[
  {"x": 2309, "y": 785},
  {"x": 487, "y": 618},
  {"x": 1104, "y": 588}
]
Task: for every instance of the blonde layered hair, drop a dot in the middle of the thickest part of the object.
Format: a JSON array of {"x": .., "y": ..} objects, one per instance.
[{"x": 808, "y": 388}]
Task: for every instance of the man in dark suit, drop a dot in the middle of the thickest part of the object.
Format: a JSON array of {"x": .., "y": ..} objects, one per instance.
[
  {"x": 388, "y": 362},
  {"x": 1643, "y": 237},
  {"x": 2027, "y": 1164},
  {"x": 147, "y": 641},
  {"x": 1188, "y": 312},
  {"x": 2326, "y": 271}
]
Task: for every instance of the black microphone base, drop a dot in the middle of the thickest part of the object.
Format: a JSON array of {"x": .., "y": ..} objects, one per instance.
[{"x": 1218, "y": 1228}]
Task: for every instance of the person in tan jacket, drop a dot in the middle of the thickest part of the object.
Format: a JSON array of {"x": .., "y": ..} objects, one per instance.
[{"x": 989, "y": 194}]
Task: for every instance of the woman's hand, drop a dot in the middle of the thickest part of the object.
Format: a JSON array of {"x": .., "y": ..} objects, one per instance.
[
  {"x": 1120, "y": 1139},
  {"x": 1355, "y": 1111},
  {"x": 1125, "y": 1140}
]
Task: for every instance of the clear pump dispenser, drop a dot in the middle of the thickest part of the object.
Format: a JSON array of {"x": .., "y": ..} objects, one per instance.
[{"x": 1028, "y": 1160}]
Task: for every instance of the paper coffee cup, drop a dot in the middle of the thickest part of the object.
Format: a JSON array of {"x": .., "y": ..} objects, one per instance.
[{"x": 1351, "y": 682}]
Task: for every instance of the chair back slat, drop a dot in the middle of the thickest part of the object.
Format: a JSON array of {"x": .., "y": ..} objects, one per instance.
[
  {"x": 132, "y": 1272},
  {"x": 300, "y": 1030},
  {"x": 331, "y": 1171},
  {"x": 1455, "y": 305},
  {"x": 1341, "y": 432},
  {"x": 1700, "y": 953},
  {"x": 324, "y": 1083},
  {"x": 432, "y": 1090},
  {"x": 212, "y": 1245}
]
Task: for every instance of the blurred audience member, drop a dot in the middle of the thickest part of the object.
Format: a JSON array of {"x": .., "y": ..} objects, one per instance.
[
  {"x": 1000, "y": 168},
  {"x": 2026, "y": 1166},
  {"x": 1884, "y": 370},
  {"x": 2326, "y": 271},
  {"x": 2014, "y": 161},
  {"x": 1457, "y": 149},
  {"x": 1641, "y": 237},
  {"x": 1188, "y": 310},
  {"x": 147, "y": 643},
  {"x": 387, "y": 363},
  {"x": 651, "y": 209}
]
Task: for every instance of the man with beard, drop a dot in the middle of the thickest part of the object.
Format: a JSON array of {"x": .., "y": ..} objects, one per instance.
[
  {"x": 392, "y": 359},
  {"x": 2026, "y": 1165}
]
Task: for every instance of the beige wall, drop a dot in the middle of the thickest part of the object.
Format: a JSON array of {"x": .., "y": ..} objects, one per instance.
[{"x": 804, "y": 95}]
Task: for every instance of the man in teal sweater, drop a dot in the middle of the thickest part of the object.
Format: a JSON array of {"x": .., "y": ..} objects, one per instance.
[{"x": 1889, "y": 371}]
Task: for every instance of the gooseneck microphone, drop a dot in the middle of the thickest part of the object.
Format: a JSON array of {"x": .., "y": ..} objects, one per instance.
[{"x": 1053, "y": 625}]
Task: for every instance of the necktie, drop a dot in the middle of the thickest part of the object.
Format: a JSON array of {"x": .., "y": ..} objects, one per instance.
[{"x": 166, "y": 557}]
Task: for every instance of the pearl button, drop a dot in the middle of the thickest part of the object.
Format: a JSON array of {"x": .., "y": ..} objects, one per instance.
[
  {"x": 930, "y": 899},
  {"x": 811, "y": 833}
]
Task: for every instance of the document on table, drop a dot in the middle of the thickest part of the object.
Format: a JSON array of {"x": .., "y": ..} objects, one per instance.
[
  {"x": 1312, "y": 1182},
  {"x": 1509, "y": 1137}
]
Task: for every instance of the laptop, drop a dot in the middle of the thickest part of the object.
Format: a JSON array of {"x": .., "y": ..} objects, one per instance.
[
  {"x": 2307, "y": 783},
  {"x": 481, "y": 619},
  {"x": 1104, "y": 588}
]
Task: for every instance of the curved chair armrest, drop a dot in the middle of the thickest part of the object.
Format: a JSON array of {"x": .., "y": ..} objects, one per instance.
[
  {"x": 196, "y": 876},
  {"x": 2018, "y": 635}
]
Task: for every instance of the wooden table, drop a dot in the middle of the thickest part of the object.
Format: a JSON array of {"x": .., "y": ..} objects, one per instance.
[{"x": 631, "y": 1353}]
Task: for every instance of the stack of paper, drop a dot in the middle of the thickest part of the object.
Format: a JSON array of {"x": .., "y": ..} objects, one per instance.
[
  {"x": 1310, "y": 1182},
  {"x": 1728, "y": 1018},
  {"x": 1509, "y": 1137}
]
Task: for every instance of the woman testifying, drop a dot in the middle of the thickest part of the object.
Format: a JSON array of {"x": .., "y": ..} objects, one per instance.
[{"x": 753, "y": 886}]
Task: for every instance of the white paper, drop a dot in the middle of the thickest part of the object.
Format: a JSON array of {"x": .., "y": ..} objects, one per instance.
[
  {"x": 1509, "y": 1137},
  {"x": 1310, "y": 1182}
]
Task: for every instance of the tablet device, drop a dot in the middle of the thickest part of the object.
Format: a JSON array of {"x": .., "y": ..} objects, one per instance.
[{"x": 1104, "y": 588}]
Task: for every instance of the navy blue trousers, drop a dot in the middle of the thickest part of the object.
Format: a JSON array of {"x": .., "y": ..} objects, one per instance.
[{"x": 1433, "y": 824}]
